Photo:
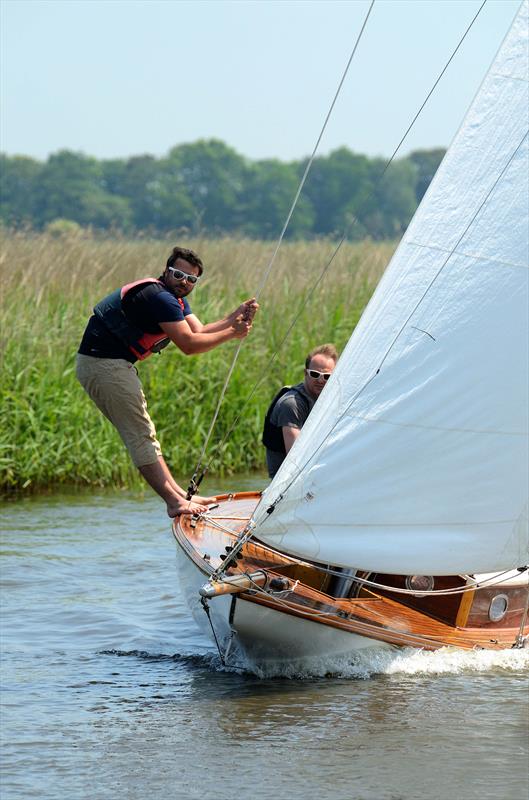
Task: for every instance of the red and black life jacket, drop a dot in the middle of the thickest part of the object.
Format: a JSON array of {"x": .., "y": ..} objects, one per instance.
[
  {"x": 110, "y": 311},
  {"x": 272, "y": 434}
]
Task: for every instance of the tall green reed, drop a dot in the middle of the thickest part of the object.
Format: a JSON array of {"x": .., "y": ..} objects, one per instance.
[{"x": 51, "y": 433}]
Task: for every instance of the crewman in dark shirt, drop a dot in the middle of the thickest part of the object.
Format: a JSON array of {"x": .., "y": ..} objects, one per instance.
[
  {"x": 292, "y": 405},
  {"x": 132, "y": 323}
]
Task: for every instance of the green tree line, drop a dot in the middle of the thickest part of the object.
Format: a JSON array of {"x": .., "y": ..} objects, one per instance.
[{"x": 208, "y": 187}]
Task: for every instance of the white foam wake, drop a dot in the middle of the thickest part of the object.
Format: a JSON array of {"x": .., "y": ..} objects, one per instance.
[
  {"x": 408, "y": 661},
  {"x": 452, "y": 660}
]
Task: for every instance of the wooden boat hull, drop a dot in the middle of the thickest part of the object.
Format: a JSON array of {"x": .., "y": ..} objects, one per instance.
[{"x": 307, "y": 621}]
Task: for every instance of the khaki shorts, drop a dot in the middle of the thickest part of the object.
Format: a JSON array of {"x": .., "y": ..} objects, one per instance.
[{"x": 114, "y": 386}]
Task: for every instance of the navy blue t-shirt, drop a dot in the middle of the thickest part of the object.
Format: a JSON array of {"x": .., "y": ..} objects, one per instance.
[{"x": 145, "y": 306}]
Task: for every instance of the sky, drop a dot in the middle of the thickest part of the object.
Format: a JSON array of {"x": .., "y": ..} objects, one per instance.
[{"x": 115, "y": 78}]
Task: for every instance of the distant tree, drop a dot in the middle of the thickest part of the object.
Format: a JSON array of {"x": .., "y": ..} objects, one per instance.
[
  {"x": 71, "y": 187},
  {"x": 213, "y": 176},
  {"x": 177, "y": 208},
  {"x": 387, "y": 211},
  {"x": 426, "y": 163},
  {"x": 63, "y": 229},
  {"x": 334, "y": 185},
  {"x": 270, "y": 188},
  {"x": 113, "y": 175},
  {"x": 133, "y": 179},
  {"x": 19, "y": 177},
  {"x": 146, "y": 183}
]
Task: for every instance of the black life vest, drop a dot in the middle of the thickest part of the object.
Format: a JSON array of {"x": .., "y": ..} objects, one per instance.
[
  {"x": 110, "y": 311},
  {"x": 272, "y": 434}
]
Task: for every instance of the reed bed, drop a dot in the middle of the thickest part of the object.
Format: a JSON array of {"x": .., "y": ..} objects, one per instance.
[{"x": 51, "y": 434}]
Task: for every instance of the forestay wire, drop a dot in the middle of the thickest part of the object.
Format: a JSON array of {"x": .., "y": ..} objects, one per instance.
[
  {"x": 196, "y": 479},
  {"x": 343, "y": 238}
]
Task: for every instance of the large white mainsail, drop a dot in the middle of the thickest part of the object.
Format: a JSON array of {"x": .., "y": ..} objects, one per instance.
[{"x": 415, "y": 458}]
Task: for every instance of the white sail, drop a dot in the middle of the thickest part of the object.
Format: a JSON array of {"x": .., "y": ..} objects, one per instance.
[{"x": 415, "y": 457}]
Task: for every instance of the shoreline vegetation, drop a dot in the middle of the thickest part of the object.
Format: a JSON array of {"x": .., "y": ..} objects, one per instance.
[{"x": 53, "y": 437}]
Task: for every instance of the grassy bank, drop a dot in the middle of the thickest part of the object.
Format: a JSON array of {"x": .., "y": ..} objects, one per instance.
[{"x": 51, "y": 434}]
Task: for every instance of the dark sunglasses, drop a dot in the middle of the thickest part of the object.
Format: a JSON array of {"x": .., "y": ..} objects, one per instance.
[
  {"x": 316, "y": 375},
  {"x": 178, "y": 275}
]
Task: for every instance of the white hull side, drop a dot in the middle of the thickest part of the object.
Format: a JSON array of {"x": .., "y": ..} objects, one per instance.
[
  {"x": 259, "y": 635},
  {"x": 266, "y": 635},
  {"x": 191, "y": 580}
]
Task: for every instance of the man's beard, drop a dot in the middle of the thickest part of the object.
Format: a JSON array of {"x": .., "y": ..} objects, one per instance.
[{"x": 178, "y": 291}]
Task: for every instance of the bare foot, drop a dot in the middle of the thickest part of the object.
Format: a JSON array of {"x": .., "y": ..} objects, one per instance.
[
  {"x": 206, "y": 501},
  {"x": 185, "y": 507}
]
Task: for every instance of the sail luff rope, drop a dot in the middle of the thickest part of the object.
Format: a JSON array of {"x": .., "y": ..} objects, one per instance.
[
  {"x": 278, "y": 245},
  {"x": 345, "y": 235},
  {"x": 426, "y": 291}
]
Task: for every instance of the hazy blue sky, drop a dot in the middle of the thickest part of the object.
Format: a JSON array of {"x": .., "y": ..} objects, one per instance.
[{"x": 113, "y": 78}]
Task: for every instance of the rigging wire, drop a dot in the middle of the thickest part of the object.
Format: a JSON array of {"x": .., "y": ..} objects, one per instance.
[
  {"x": 194, "y": 484},
  {"x": 472, "y": 586},
  {"x": 343, "y": 238}
]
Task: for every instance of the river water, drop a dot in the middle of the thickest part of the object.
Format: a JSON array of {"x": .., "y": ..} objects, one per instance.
[{"x": 110, "y": 691}]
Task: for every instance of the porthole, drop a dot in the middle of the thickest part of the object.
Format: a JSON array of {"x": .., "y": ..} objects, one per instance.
[
  {"x": 420, "y": 583},
  {"x": 498, "y": 607}
]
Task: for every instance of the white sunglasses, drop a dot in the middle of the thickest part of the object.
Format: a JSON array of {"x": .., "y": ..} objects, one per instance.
[
  {"x": 317, "y": 375},
  {"x": 178, "y": 275}
]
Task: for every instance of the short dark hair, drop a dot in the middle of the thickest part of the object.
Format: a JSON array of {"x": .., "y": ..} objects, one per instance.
[
  {"x": 185, "y": 255},
  {"x": 328, "y": 350}
]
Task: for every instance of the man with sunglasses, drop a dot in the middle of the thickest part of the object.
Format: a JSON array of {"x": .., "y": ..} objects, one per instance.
[
  {"x": 291, "y": 406},
  {"x": 133, "y": 322}
]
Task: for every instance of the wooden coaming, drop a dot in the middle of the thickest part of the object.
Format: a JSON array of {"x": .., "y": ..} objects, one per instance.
[{"x": 425, "y": 622}]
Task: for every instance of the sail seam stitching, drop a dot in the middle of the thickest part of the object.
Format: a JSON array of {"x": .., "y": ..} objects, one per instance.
[
  {"x": 509, "y": 77},
  {"x": 436, "y": 427},
  {"x": 408, "y": 525},
  {"x": 440, "y": 249}
]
